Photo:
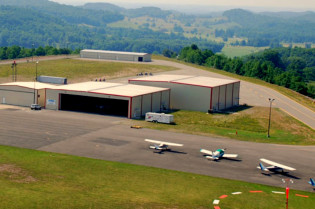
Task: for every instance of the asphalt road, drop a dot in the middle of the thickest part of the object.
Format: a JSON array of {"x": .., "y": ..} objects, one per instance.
[{"x": 109, "y": 138}]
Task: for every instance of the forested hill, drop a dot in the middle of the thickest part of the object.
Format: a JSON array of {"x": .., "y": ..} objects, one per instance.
[
  {"x": 267, "y": 26},
  {"x": 146, "y": 29},
  {"x": 70, "y": 14},
  {"x": 41, "y": 22},
  {"x": 292, "y": 68}
]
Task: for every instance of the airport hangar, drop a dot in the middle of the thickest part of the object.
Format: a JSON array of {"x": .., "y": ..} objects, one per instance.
[
  {"x": 115, "y": 55},
  {"x": 196, "y": 93},
  {"x": 23, "y": 93},
  {"x": 127, "y": 100}
]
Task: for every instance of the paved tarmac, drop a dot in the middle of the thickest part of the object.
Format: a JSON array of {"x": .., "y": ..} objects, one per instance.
[{"x": 109, "y": 138}]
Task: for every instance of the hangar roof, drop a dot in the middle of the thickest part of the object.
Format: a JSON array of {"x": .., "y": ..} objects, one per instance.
[
  {"x": 161, "y": 78},
  {"x": 130, "y": 90},
  {"x": 86, "y": 86},
  {"x": 118, "y": 89},
  {"x": 38, "y": 85},
  {"x": 187, "y": 80},
  {"x": 114, "y": 52}
]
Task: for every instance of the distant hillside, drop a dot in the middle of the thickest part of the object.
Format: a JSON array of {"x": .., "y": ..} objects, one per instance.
[
  {"x": 24, "y": 26},
  {"x": 146, "y": 29},
  {"x": 104, "y": 7},
  {"x": 147, "y": 11},
  {"x": 262, "y": 28},
  {"x": 70, "y": 14},
  {"x": 42, "y": 23}
]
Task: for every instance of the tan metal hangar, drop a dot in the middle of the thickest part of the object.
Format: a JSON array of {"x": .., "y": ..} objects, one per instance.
[
  {"x": 117, "y": 99},
  {"x": 115, "y": 55},
  {"x": 23, "y": 93},
  {"x": 196, "y": 93}
]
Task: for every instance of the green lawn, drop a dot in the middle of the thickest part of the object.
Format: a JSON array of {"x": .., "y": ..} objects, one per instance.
[
  {"x": 78, "y": 70},
  {"x": 245, "y": 123},
  {"x": 35, "y": 179},
  {"x": 238, "y": 51}
]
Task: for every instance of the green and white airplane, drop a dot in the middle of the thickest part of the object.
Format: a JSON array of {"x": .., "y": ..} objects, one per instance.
[{"x": 216, "y": 155}]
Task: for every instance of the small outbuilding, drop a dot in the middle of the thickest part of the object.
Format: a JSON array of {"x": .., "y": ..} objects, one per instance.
[
  {"x": 115, "y": 55},
  {"x": 126, "y": 100},
  {"x": 197, "y": 93},
  {"x": 23, "y": 93}
]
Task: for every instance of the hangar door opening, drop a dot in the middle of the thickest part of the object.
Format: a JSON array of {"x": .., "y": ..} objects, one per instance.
[{"x": 96, "y": 105}]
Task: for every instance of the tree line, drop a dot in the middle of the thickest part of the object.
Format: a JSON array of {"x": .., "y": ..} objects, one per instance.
[
  {"x": 14, "y": 52},
  {"x": 293, "y": 68}
]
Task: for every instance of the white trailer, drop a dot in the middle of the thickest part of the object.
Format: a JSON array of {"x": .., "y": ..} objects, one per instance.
[{"x": 159, "y": 117}]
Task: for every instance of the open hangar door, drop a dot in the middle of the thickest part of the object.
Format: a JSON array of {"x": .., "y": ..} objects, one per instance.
[{"x": 96, "y": 105}]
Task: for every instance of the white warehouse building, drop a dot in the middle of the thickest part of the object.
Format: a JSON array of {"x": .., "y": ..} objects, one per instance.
[
  {"x": 196, "y": 93},
  {"x": 115, "y": 55}
]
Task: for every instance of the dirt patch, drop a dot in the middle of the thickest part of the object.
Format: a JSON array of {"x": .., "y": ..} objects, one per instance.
[{"x": 16, "y": 174}]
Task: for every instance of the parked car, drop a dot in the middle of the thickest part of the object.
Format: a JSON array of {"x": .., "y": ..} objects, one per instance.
[{"x": 35, "y": 107}]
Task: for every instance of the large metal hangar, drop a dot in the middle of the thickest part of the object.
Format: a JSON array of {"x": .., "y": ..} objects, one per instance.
[
  {"x": 23, "y": 93},
  {"x": 126, "y": 100},
  {"x": 115, "y": 55},
  {"x": 196, "y": 93}
]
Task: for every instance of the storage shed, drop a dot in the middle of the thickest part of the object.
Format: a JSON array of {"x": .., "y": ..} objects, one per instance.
[
  {"x": 23, "y": 93},
  {"x": 197, "y": 93},
  {"x": 117, "y": 99},
  {"x": 115, "y": 55}
]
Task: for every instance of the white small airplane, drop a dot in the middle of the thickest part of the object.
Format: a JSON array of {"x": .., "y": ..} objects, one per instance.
[
  {"x": 160, "y": 145},
  {"x": 312, "y": 182},
  {"x": 275, "y": 167},
  {"x": 219, "y": 153}
]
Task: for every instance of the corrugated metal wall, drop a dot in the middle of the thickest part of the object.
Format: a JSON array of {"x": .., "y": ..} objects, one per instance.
[{"x": 16, "y": 95}]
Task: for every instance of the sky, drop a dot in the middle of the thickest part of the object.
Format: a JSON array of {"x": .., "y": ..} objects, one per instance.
[{"x": 278, "y": 5}]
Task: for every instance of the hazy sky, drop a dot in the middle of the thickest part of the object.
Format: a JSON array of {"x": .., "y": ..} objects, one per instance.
[{"x": 298, "y": 5}]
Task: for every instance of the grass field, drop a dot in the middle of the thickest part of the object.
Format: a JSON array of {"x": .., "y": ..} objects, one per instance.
[
  {"x": 238, "y": 51},
  {"x": 78, "y": 70},
  {"x": 248, "y": 124},
  {"x": 34, "y": 179}
]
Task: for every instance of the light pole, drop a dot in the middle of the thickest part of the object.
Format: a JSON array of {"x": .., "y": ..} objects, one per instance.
[
  {"x": 36, "y": 71},
  {"x": 35, "y": 83},
  {"x": 270, "y": 101},
  {"x": 32, "y": 51}
]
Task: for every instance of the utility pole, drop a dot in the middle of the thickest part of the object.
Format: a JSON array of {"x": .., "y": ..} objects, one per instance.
[
  {"x": 270, "y": 101},
  {"x": 14, "y": 71}
]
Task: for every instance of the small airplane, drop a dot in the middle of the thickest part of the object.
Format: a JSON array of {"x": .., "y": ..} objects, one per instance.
[
  {"x": 219, "y": 153},
  {"x": 275, "y": 167},
  {"x": 312, "y": 182},
  {"x": 160, "y": 145}
]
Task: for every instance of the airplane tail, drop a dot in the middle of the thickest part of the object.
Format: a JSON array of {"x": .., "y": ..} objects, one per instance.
[
  {"x": 262, "y": 167},
  {"x": 312, "y": 182},
  {"x": 156, "y": 146}
]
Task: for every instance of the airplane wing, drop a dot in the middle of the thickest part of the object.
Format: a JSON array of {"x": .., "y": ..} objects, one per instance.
[
  {"x": 230, "y": 155},
  {"x": 163, "y": 143},
  {"x": 206, "y": 151},
  {"x": 277, "y": 164}
]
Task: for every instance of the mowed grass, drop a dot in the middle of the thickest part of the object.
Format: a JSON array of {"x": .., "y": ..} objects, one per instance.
[
  {"x": 245, "y": 123},
  {"x": 35, "y": 179},
  {"x": 78, "y": 70},
  {"x": 239, "y": 51}
]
